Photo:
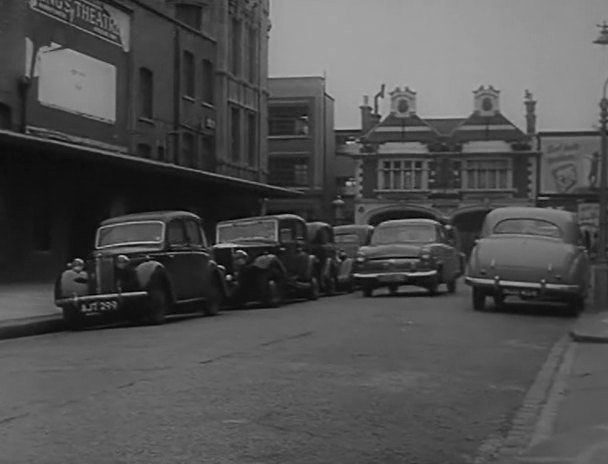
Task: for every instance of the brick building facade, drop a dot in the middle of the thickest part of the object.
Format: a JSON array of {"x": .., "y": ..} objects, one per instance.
[
  {"x": 108, "y": 107},
  {"x": 452, "y": 169}
]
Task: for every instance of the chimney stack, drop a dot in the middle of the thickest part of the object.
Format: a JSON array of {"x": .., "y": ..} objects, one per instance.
[
  {"x": 367, "y": 120},
  {"x": 530, "y": 113}
]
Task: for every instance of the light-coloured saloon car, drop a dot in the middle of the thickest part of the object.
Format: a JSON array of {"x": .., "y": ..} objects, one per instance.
[{"x": 529, "y": 253}]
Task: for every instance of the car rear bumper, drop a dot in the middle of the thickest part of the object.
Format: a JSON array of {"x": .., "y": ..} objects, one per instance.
[
  {"x": 497, "y": 285},
  {"x": 391, "y": 278}
]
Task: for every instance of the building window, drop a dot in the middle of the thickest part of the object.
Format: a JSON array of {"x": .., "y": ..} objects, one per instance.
[
  {"x": 235, "y": 47},
  {"x": 486, "y": 174},
  {"x": 288, "y": 171},
  {"x": 252, "y": 56},
  {"x": 146, "y": 93},
  {"x": 144, "y": 150},
  {"x": 160, "y": 153},
  {"x": 208, "y": 82},
  {"x": 191, "y": 15},
  {"x": 288, "y": 120},
  {"x": 252, "y": 139},
  {"x": 189, "y": 150},
  {"x": 235, "y": 133},
  {"x": 403, "y": 175},
  {"x": 189, "y": 74}
]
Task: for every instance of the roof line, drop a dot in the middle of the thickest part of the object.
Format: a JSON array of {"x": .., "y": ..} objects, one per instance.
[{"x": 168, "y": 168}]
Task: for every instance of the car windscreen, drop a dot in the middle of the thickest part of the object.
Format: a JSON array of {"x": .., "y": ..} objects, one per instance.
[
  {"x": 247, "y": 230},
  {"x": 527, "y": 227},
  {"x": 347, "y": 238},
  {"x": 414, "y": 233},
  {"x": 130, "y": 233}
]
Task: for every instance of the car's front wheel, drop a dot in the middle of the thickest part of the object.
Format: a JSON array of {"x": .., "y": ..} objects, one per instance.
[
  {"x": 313, "y": 290},
  {"x": 368, "y": 290},
  {"x": 158, "y": 306},
  {"x": 271, "y": 292},
  {"x": 479, "y": 299},
  {"x": 72, "y": 318}
]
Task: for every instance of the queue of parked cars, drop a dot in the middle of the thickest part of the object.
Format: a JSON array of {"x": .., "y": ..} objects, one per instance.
[{"x": 147, "y": 266}]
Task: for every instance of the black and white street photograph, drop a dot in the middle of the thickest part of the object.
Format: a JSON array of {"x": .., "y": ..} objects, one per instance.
[{"x": 303, "y": 232}]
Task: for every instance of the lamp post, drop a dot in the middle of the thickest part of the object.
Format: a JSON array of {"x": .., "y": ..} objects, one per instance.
[{"x": 601, "y": 269}]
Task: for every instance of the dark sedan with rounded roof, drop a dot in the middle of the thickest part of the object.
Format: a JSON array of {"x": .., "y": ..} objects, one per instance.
[{"x": 143, "y": 267}]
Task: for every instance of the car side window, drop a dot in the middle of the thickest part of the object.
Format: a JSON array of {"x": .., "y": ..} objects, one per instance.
[
  {"x": 285, "y": 233},
  {"x": 300, "y": 231},
  {"x": 193, "y": 232},
  {"x": 175, "y": 233}
]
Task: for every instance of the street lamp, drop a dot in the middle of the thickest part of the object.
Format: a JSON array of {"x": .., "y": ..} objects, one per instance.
[{"x": 601, "y": 269}]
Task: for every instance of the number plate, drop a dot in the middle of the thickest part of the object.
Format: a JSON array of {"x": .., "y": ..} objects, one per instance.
[
  {"x": 529, "y": 293},
  {"x": 392, "y": 278},
  {"x": 99, "y": 307},
  {"x": 510, "y": 291}
]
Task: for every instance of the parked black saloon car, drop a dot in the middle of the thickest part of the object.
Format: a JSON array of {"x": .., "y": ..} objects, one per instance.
[
  {"x": 266, "y": 259},
  {"x": 144, "y": 267}
]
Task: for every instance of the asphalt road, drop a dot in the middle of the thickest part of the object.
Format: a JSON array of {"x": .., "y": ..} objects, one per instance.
[{"x": 408, "y": 379}]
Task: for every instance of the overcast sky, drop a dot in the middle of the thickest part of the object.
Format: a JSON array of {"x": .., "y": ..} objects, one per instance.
[{"x": 445, "y": 49}]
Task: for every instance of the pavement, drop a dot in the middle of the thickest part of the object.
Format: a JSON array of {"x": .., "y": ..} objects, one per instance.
[
  {"x": 28, "y": 309},
  {"x": 573, "y": 428}
]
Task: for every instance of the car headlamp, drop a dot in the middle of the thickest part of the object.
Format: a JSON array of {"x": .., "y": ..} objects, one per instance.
[
  {"x": 122, "y": 261},
  {"x": 240, "y": 257},
  {"x": 77, "y": 265}
]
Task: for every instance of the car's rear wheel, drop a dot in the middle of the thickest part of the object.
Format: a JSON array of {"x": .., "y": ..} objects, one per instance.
[
  {"x": 158, "y": 306},
  {"x": 331, "y": 285},
  {"x": 479, "y": 299},
  {"x": 433, "y": 286},
  {"x": 576, "y": 306},
  {"x": 499, "y": 300},
  {"x": 72, "y": 318},
  {"x": 367, "y": 290},
  {"x": 214, "y": 300}
]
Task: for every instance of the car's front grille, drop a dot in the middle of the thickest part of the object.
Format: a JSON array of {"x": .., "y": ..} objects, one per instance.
[
  {"x": 104, "y": 275},
  {"x": 390, "y": 265}
]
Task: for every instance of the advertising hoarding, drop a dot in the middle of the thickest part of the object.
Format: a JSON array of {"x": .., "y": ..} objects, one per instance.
[
  {"x": 570, "y": 163},
  {"x": 77, "y": 83}
]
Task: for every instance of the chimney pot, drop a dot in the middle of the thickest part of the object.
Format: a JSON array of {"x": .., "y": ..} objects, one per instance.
[{"x": 365, "y": 100}]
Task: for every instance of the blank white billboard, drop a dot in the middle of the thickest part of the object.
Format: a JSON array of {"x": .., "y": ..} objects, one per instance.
[{"x": 77, "y": 83}]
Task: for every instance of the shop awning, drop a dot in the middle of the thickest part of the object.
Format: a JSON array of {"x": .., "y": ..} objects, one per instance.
[{"x": 97, "y": 154}]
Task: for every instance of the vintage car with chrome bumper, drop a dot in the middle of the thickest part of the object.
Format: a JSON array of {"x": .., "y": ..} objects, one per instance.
[
  {"x": 144, "y": 267},
  {"x": 415, "y": 252},
  {"x": 531, "y": 254}
]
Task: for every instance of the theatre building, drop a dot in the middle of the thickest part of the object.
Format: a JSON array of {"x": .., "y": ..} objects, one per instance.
[
  {"x": 452, "y": 169},
  {"x": 115, "y": 107}
]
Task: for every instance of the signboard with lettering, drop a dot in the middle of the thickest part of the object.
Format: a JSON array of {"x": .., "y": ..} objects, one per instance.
[
  {"x": 570, "y": 163},
  {"x": 77, "y": 83},
  {"x": 92, "y": 16}
]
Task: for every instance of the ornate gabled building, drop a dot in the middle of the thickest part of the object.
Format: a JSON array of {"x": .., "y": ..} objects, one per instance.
[{"x": 452, "y": 169}]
